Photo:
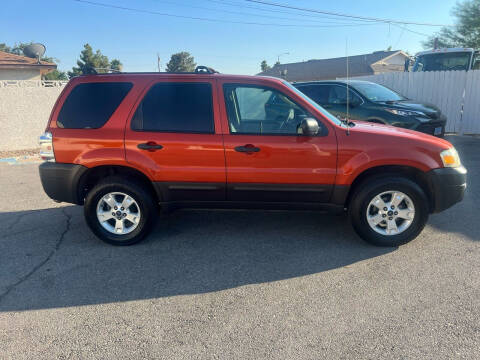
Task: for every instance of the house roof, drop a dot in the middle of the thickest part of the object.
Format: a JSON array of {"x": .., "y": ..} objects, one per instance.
[
  {"x": 13, "y": 61},
  {"x": 330, "y": 68}
]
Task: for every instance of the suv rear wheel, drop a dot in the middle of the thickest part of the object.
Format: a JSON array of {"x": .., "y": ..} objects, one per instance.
[
  {"x": 120, "y": 211},
  {"x": 388, "y": 211}
]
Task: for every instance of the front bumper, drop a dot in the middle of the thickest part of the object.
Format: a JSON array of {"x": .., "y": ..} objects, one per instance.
[
  {"x": 430, "y": 126},
  {"x": 448, "y": 186},
  {"x": 61, "y": 181}
]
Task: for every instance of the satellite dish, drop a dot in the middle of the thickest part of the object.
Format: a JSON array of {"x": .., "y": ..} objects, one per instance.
[{"x": 34, "y": 51}]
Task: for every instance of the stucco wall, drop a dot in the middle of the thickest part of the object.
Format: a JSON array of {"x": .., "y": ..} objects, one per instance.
[
  {"x": 20, "y": 74},
  {"x": 24, "y": 113}
]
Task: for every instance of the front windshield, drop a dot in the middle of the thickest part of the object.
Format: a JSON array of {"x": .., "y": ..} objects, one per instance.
[
  {"x": 377, "y": 93},
  {"x": 320, "y": 109},
  {"x": 442, "y": 61}
]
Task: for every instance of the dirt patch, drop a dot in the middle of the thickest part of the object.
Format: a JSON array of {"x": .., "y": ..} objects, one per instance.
[{"x": 18, "y": 153}]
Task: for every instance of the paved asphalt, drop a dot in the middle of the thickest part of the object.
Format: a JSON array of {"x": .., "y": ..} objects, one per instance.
[{"x": 235, "y": 284}]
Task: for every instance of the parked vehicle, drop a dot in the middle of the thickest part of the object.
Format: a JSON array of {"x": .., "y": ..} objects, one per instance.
[
  {"x": 446, "y": 59},
  {"x": 123, "y": 145},
  {"x": 372, "y": 102}
]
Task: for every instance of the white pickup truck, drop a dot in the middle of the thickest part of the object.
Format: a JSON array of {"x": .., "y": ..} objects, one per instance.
[{"x": 445, "y": 60}]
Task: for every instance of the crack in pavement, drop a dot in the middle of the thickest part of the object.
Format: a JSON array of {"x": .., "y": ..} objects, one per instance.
[
  {"x": 43, "y": 262},
  {"x": 16, "y": 221}
]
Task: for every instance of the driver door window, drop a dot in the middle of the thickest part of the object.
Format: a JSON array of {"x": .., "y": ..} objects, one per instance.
[
  {"x": 261, "y": 111},
  {"x": 338, "y": 96},
  {"x": 476, "y": 62}
]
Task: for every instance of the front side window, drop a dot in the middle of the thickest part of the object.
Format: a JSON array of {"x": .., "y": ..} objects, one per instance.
[
  {"x": 338, "y": 96},
  {"x": 476, "y": 62},
  {"x": 261, "y": 110},
  {"x": 90, "y": 105},
  {"x": 176, "y": 107}
]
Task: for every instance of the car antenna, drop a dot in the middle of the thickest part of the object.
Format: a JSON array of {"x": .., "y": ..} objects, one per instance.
[{"x": 347, "y": 121}]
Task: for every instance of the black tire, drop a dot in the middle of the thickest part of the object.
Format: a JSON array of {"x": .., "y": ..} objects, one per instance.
[
  {"x": 371, "y": 187},
  {"x": 146, "y": 201}
]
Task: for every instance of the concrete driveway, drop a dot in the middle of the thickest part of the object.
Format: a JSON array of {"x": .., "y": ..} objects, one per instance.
[{"x": 235, "y": 284}]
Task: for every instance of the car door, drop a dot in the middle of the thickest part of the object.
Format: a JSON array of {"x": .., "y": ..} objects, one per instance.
[
  {"x": 174, "y": 136},
  {"x": 267, "y": 159}
]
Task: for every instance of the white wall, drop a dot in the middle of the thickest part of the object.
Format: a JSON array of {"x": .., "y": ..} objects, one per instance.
[
  {"x": 20, "y": 74},
  {"x": 445, "y": 89},
  {"x": 24, "y": 112}
]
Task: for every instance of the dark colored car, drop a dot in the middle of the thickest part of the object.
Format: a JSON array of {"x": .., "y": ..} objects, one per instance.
[{"x": 375, "y": 103}]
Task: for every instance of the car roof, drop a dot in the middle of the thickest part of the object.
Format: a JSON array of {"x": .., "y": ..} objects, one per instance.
[
  {"x": 320, "y": 82},
  {"x": 444, "y": 50},
  {"x": 119, "y": 76}
]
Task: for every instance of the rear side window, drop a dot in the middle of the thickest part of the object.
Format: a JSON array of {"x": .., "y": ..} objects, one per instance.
[
  {"x": 176, "y": 107},
  {"x": 318, "y": 93},
  {"x": 90, "y": 105}
]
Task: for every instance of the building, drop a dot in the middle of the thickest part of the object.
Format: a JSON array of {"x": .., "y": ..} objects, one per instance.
[
  {"x": 329, "y": 69},
  {"x": 16, "y": 67}
]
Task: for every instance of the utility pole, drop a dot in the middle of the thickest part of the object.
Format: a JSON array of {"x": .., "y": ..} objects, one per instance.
[
  {"x": 158, "y": 61},
  {"x": 278, "y": 56}
]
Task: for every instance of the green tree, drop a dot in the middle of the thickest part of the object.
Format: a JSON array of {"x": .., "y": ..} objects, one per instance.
[
  {"x": 264, "y": 66},
  {"x": 17, "y": 49},
  {"x": 5, "y": 48},
  {"x": 465, "y": 32},
  {"x": 93, "y": 62},
  {"x": 181, "y": 62},
  {"x": 55, "y": 75},
  {"x": 115, "y": 64}
]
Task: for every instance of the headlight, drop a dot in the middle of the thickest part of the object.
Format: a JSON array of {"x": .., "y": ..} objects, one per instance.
[
  {"x": 405, "y": 112},
  {"x": 450, "y": 158}
]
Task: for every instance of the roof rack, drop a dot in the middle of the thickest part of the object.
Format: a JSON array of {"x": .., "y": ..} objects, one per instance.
[
  {"x": 205, "y": 69},
  {"x": 109, "y": 71},
  {"x": 198, "y": 70}
]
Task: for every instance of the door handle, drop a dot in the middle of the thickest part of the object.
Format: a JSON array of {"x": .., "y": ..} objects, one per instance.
[
  {"x": 248, "y": 148},
  {"x": 150, "y": 146}
]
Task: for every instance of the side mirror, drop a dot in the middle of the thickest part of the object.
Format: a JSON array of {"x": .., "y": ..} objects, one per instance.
[{"x": 309, "y": 127}]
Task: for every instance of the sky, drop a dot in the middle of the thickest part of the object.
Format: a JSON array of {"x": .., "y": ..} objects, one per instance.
[{"x": 225, "y": 44}]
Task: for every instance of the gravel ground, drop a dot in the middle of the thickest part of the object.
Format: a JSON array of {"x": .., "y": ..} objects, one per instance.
[
  {"x": 19, "y": 153},
  {"x": 235, "y": 284}
]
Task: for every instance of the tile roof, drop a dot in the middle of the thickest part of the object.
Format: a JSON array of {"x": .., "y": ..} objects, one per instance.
[
  {"x": 328, "y": 69},
  {"x": 7, "y": 59}
]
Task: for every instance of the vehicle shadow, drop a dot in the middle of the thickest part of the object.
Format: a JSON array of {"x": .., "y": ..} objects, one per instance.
[{"x": 50, "y": 259}]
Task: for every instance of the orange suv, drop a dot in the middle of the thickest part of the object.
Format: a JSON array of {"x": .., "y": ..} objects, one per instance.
[{"x": 124, "y": 145}]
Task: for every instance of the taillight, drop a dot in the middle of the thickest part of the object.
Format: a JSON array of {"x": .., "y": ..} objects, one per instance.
[{"x": 46, "y": 147}]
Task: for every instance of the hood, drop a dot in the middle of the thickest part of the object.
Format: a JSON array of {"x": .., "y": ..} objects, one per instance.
[
  {"x": 430, "y": 110},
  {"x": 388, "y": 130}
]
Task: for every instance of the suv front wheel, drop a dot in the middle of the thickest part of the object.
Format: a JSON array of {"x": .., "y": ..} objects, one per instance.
[
  {"x": 120, "y": 211},
  {"x": 388, "y": 211}
]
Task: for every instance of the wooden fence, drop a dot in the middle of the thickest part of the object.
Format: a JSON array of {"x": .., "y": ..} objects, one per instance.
[{"x": 456, "y": 93}]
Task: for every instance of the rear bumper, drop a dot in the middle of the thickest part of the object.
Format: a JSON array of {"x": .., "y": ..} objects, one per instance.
[
  {"x": 448, "y": 186},
  {"x": 60, "y": 181}
]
